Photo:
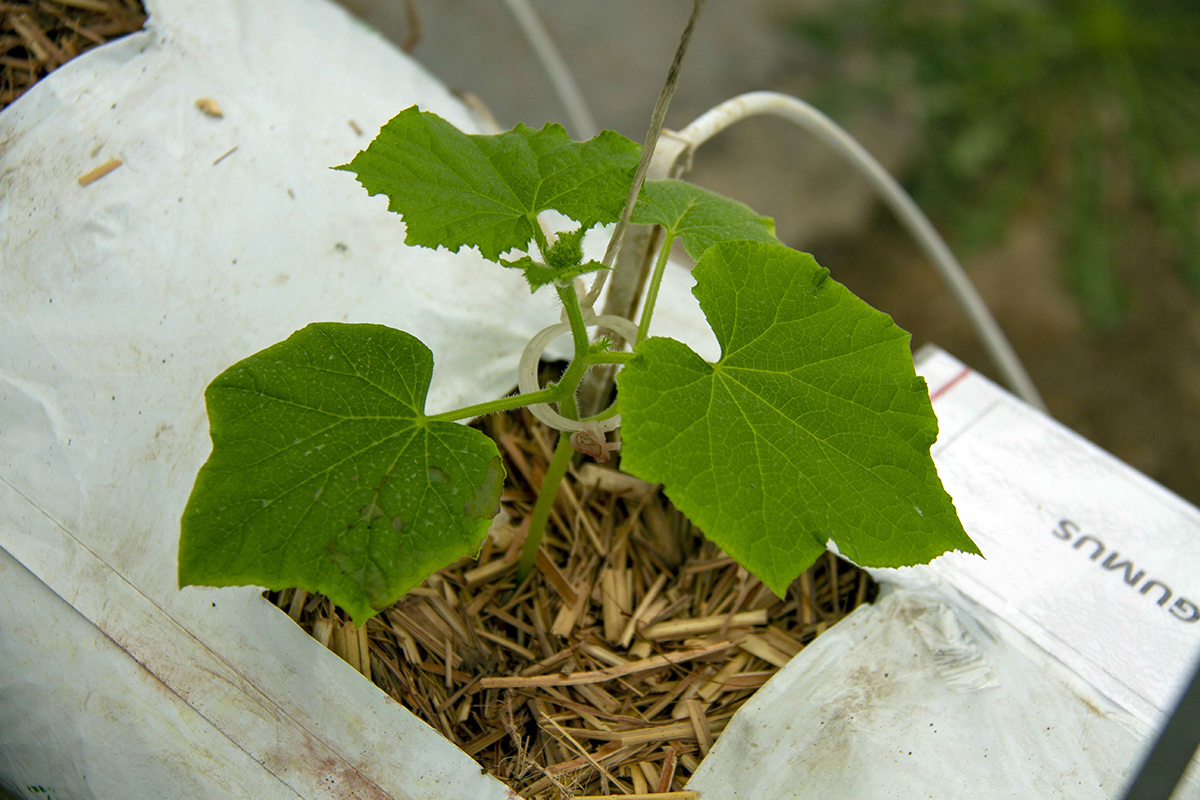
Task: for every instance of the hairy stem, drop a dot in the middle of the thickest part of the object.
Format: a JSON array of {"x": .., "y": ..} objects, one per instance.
[
  {"x": 563, "y": 451},
  {"x": 610, "y": 358},
  {"x": 652, "y": 292},
  {"x": 493, "y": 406},
  {"x": 579, "y": 364}
]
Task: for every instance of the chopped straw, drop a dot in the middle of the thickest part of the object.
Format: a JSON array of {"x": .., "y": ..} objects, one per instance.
[
  {"x": 39, "y": 36},
  {"x": 615, "y": 667}
]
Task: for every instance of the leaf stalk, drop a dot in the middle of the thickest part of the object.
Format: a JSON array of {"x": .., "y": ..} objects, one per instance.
[
  {"x": 652, "y": 291},
  {"x": 549, "y": 395}
]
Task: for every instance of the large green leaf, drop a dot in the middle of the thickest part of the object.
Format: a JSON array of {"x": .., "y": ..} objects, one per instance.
[
  {"x": 325, "y": 473},
  {"x": 701, "y": 217},
  {"x": 458, "y": 189},
  {"x": 812, "y": 426}
]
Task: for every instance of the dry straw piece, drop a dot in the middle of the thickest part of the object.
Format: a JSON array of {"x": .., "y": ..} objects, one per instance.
[
  {"x": 38, "y": 36},
  {"x": 210, "y": 107},
  {"x": 615, "y": 666},
  {"x": 99, "y": 172}
]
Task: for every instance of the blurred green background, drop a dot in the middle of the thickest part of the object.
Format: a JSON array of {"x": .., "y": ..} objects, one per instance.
[{"x": 1086, "y": 110}]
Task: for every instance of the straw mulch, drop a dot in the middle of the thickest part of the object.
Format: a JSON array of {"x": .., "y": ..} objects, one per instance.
[
  {"x": 39, "y": 36},
  {"x": 614, "y": 667}
]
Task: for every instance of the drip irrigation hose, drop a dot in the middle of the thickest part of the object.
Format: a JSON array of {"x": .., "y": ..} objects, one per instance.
[{"x": 823, "y": 128}]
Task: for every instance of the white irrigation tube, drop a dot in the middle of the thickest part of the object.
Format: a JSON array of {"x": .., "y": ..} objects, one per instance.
[
  {"x": 822, "y": 127},
  {"x": 583, "y": 125}
]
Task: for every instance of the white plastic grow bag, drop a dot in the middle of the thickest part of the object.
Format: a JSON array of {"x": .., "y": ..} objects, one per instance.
[{"x": 122, "y": 299}]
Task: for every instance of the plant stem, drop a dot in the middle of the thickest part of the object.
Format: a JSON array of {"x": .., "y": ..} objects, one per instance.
[
  {"x": 549, "y": 489},
  {"x": 545, "y": 502},
  {"x": 492, "y": 406},
  {"x": 610, "y": 358},
  {"x": 563, "y": 450},
  {"x": 611, "y": 411},
  {"x": 579, "y": 364},
  {"x": 652, "y": 292}
]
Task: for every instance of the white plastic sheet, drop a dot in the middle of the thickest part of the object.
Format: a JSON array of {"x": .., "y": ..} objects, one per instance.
[
  {"x": 121, "y": 300},
  {"x": 873, "y": 710}
]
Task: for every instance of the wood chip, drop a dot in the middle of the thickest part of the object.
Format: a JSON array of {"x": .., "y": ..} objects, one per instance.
[
  {"x": 641, "y": 610},
  {"x": 98, "y": 6},
  {"x": 640, "y": 786},
  {"x": 758, "y": 646},
  {"x": 488, "y": 572},
  {"x": 364, "y": 652},
  {"x": 554, "y": 576},
  {"x": 610, "y": 480},
  {"x": 296, "y": 606},
  {"x": 668, "y": 771},
  {"x": 225, "y": 155},
  {"x": 699, "y": 722},
  {"x": 36, "y": 40},
  {"x": 720, "y": 681},
  {"x": 614, "y": 620},
  {"x": 323, "y": 631}
]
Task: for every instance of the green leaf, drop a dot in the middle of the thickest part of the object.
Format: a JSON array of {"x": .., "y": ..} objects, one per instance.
[
  {"x": 458, "y": 189},
  {"x": 326, "y": 475},
  {"x": 701, "y": 217},
  {"x": 812, "y": 426},
  {"x": 539, "y": 275}
]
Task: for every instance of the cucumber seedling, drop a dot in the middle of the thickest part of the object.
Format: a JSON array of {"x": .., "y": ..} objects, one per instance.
[{"x": 327, "y": 474}]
